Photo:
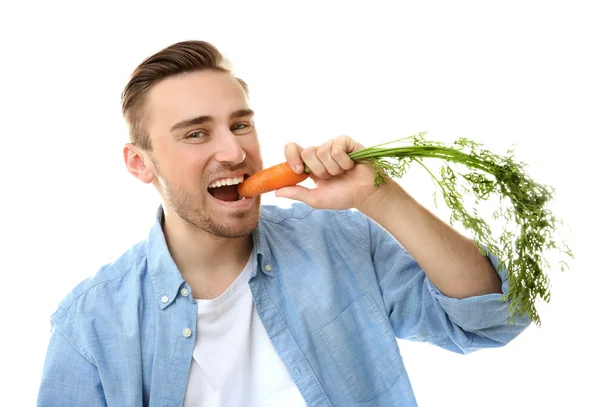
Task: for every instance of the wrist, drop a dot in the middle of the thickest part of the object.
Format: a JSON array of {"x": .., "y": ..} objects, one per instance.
[{"x": 383, "y": 199}]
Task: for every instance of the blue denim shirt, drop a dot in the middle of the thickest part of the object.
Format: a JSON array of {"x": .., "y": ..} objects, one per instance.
[{"x": 333, "y": 289}]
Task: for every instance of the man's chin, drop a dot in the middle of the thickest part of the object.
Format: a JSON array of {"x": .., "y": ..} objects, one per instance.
[
  {"x": 231, "y": 231},
  {"x": 234, "y": 223}
]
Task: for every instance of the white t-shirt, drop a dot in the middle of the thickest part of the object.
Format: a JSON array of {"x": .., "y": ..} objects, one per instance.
[{"x": 234, "y": 362}]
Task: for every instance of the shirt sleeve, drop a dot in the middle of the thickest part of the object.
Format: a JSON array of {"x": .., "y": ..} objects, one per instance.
[
  {"x": 418, "y": 311},
  {"x": 68, "y": 378}
]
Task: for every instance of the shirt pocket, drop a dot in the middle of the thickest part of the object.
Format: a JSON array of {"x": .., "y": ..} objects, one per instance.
[{"x": 364, "y": 348}]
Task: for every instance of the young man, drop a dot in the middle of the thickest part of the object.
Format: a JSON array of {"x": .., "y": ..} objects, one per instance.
[{"x": 230, "y": 303}]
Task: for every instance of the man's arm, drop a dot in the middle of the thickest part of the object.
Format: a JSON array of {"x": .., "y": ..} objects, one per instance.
[
  {"x": 68, "y": 378},
  {"x": 435, "y": 284},
  {"x": 451, "y": 261}
]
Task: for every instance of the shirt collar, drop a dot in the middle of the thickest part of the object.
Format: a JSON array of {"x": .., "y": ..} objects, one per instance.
[
  {"x": 162, "y": 269},
  {"x": 165, "y": 275}
]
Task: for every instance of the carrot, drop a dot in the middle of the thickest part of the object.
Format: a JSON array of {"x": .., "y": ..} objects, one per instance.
[{"x": 270, "y": 179}]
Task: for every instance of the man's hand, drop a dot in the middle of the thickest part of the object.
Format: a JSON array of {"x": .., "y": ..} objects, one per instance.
[{"x": 341, "y": 183}]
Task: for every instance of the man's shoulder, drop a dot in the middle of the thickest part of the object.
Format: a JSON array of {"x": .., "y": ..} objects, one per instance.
[{"x": 100, "y": 283}]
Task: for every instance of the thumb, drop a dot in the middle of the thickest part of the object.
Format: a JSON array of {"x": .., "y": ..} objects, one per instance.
[{"x": 298, "y": 193}]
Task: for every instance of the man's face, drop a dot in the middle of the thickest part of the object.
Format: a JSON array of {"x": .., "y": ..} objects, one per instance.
[{"x": 202, "y": 133}]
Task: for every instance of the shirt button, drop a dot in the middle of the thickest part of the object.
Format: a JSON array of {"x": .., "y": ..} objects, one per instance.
[
  {"x": 185, "y": 292},
  {"x": 187, "y": 332},
  {"x": 164, "y": 299},
  {"x": 267, "y": 267}
]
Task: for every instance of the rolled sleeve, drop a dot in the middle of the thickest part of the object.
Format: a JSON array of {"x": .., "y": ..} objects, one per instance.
[
  {"x": 476, "y": 312},
  {"x": 484, "y": 317}
]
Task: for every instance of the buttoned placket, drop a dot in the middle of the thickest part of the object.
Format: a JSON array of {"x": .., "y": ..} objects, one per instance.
[{"x": 178, "y": 317}]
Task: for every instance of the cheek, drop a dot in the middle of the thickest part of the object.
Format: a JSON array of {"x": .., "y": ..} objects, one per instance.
[
  {"x": 185, "y": 168},
  {"x": 190, "y": 168},
  {"x": 252, "y": 148}
]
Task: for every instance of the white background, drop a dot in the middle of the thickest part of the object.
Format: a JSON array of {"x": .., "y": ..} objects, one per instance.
[{"x": 502, "y": 73}]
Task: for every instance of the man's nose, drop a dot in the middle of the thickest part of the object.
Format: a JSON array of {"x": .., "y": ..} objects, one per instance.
[{"x": 229, "y": 149}]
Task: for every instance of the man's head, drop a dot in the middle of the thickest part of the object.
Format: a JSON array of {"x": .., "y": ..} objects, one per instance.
[{"x": 191, "y": 127}]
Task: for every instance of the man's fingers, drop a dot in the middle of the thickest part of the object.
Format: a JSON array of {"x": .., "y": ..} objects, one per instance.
[
  {"x": 309, "y": 156},
  {"x": 293, "y": 155},
  {"x": 329, "y": 159},
  {"x": 339, "y": 152},
  {"x": 324, "y": 155}
]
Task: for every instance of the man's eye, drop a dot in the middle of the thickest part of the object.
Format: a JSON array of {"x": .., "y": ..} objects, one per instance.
[
  {"x": 241, "y": 128},
  {"x": 195, "y": 135}
]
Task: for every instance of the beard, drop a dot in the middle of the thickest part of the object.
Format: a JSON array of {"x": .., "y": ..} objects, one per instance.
[{"x": 193, "y": 209}]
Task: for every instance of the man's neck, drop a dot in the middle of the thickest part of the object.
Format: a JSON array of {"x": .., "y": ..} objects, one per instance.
[{"x": 207, "y": 262}]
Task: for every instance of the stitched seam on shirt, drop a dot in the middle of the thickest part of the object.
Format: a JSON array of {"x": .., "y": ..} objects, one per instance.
[
  {"x": 472, "y": 337},
  {"x": 82, "y": 352},
  {"x": 72, "y": 319},
  {"x": 356, "y": 231},
  {"x": 383, "y": 393},
  {"x": 125, "y": 273},
  {"x": 367, "y": 247}
]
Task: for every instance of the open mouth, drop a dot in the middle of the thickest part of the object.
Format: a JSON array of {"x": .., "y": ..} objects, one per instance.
[{"x": 226, "y": 189}]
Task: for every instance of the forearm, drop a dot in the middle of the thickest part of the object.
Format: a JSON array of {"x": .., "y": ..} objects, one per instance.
[{"x": 450, "y": 260}]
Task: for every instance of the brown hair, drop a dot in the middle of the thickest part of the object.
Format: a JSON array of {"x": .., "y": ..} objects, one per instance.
[{"x": 181, "y": 57}]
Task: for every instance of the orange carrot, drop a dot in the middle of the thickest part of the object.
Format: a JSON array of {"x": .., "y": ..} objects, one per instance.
[{"x": 270, "y": 179}]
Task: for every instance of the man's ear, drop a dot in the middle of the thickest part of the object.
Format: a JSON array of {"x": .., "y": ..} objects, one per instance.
[{"x": 138, "y": 163}]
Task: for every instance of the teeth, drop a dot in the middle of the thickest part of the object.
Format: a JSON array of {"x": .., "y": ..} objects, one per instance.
[{"x": 226, "y": 181}]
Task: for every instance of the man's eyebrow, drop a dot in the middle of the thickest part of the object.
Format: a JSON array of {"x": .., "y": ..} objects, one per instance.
[
  {"x": 191, "y": 122},
  {"x": 242, "y": 113},
  {"x": 206, "y": 119}
]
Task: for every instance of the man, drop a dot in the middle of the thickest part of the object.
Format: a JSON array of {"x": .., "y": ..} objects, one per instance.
[{"x": 230, "y": 303}]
